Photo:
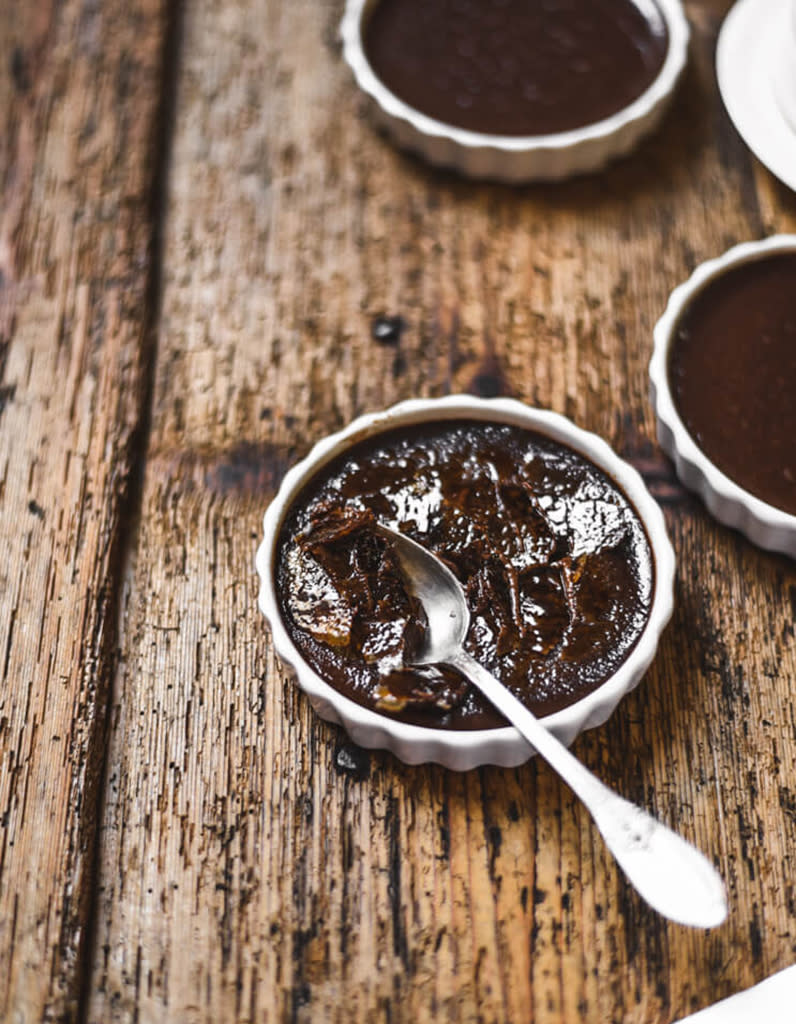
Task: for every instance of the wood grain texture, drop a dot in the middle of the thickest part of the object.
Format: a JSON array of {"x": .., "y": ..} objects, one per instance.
[
  {"x": 78, "y": 95},
  {"x": 253, "y": 865}
]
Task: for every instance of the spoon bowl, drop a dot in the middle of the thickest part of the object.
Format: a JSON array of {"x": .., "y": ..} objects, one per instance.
[{"x": 439, "y": 592}]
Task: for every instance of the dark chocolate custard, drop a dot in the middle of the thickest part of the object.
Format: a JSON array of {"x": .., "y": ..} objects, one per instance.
[
  {"x": 516, "y": 67},
  {"x": 732, "y": 372},
  {"x": 555, "y": 562}
]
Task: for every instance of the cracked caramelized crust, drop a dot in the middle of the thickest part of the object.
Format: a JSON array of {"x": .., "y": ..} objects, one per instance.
[{"x": 555, "y": 564}]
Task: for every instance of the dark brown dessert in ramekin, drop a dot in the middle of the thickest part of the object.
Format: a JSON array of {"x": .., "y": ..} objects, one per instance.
[
  {"x": 555, "y": 562},
  {"x": 732, "y": 373},
  {"x": 516, "y": 67}
]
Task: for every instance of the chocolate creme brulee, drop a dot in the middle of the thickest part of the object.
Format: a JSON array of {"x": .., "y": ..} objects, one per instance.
[
  {"x": 732, "y": 373},
  {"x": 556, "y": 566},
  {"x": 516, "y": 67}
]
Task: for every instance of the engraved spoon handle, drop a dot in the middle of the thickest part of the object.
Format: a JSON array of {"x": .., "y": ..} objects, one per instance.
[{"x": 667, "y": 871}]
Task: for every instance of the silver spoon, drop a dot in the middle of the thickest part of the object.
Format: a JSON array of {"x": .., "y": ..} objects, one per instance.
[{"x": 672, "y": 875}]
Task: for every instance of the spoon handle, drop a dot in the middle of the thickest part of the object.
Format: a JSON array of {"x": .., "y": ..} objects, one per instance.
[{"x": 668, "y": 872}]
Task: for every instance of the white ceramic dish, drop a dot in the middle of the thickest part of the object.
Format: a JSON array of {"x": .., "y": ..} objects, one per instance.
[
  {"x": 519, "y": 159},
  {"x": 462, "y": 749},
  {"x": 785, "y": 69},
  {"x": 749, "y": 61},
  {"x": 765, "y": 525}
]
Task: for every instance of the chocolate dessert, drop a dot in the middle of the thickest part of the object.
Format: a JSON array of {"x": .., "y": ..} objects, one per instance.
[
  {"x": 555, "y": 562},
  {"x": 732, "y": 373},
  {"x": 516, "y": 67}
]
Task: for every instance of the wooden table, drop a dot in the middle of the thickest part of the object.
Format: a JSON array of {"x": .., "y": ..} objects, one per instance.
[{"x": 198, "y": 224}]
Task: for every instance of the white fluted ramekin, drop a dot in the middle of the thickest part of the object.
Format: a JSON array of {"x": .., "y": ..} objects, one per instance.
[
  {"x": 462, "y": 749},
  {"x": 515, "y": 159},
  {"x": 731, "y": 504},
  {"x": 785, "y": 67}
]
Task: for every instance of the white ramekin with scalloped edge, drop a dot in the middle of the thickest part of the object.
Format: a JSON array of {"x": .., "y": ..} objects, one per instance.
[
  {"x": 769, "y": 527},
  {"x": 516, "y": 159},
  {"x": 462, "y": 749}
]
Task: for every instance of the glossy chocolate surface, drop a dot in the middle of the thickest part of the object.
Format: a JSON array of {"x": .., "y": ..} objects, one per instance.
[
  {"x": 555, "y": 561},
  {"x": 516, "y": 67},
  {"x": 732, "y": 372}
]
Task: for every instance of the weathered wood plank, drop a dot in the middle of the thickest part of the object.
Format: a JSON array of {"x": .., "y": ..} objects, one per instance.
[
  {"x": 254, "y": 865},
  {"x": 78, "y": 97}
]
